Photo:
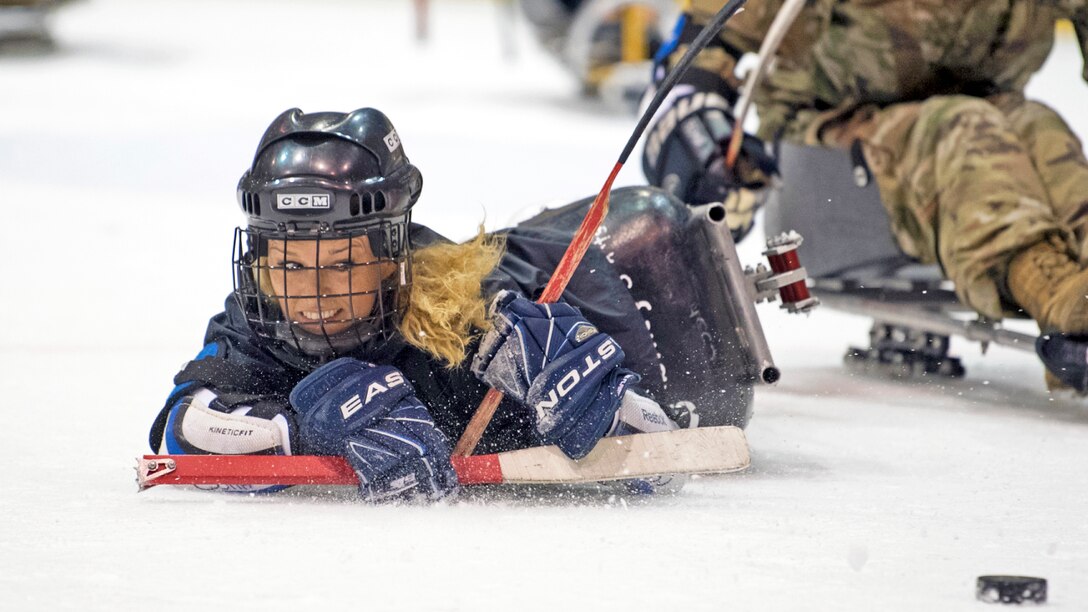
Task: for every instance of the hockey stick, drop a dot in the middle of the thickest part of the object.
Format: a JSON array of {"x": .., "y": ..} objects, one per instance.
[
  {"x": 594, "y": 216},
  {"x": 684, "y": 451},
  {"x": 775, "y": 35}
]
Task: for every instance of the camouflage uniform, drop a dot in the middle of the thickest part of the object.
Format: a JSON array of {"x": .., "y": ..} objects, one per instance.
[{"x": 971, "y": 173}]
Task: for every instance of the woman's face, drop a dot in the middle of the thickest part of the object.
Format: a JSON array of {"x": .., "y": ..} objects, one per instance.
[{"x": 325, "y": 286}]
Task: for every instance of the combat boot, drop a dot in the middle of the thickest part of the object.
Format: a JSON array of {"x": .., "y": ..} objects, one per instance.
[{"x": 1051, "y": 286}]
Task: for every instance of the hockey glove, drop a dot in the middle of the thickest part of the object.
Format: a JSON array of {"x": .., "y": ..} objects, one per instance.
[
  {"x": 549, "y": 358},
  {"x": 685, "y": 155},
  {"x": 370, "y": 415}
]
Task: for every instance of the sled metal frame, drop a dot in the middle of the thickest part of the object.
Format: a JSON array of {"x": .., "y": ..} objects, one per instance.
[
  {"x": 714, "y": 235},
  {"x": 917, "y": 315}
]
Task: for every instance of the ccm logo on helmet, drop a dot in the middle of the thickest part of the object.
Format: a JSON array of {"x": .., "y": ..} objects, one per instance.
[
  {"x": 605, "y": 351},
  {"x": 350, "y": 407},
  {"x": 304, "y": 201},
  {"x": 392, "y": 140}
]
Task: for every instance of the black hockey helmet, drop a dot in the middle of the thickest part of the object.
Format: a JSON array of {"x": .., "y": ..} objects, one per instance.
[
  {"x": 323, "y": 177},
  {"x": 320, "y": 171}
]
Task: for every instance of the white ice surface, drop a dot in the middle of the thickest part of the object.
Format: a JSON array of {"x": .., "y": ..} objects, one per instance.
[{"x": 119, "y": 157}]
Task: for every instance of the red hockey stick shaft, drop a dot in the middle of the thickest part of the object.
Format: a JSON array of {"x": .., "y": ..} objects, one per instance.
[
  {"x": 283, "y": 470},
  {"x": 594, "y": 216}
]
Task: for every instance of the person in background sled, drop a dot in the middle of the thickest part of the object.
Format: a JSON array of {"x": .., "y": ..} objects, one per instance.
[
  {"x": 353, "y": 332},
  {"x": 606, "y": 44},
  {"x": 991, "y": 186}
]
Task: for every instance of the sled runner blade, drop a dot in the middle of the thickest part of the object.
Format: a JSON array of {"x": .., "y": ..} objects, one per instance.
[
  {"x": 921, "y": 318},
  {"x": 685, "y": 451}
]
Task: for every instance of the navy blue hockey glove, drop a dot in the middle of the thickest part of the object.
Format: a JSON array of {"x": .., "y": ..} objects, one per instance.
[
  {"x": 685, "y": 155},
  {"x": 370, "y": 415},
  {"x": 548, "y": 357}
]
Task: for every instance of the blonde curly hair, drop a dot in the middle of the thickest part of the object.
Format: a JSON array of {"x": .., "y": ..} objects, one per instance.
[{"x": 446, "y": 308}]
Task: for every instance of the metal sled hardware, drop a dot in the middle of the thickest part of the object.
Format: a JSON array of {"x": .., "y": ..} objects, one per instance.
[
  {"x": 979, "y": 330},
  {"x": 786, "y": 277},
  {"x": 912, "y": 339},
  {"x": 150, "y": 469},
  {"x": 715, "y": 238}
]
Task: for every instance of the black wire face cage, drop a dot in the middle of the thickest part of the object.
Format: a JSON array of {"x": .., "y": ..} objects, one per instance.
[{"x": 309, "y": 290}]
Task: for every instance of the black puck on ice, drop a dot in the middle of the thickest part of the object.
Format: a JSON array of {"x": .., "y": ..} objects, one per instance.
[{"x": 1011, "y": 589}]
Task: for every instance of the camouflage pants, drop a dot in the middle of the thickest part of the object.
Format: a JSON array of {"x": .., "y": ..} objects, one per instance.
[{"x": 969, "y": 182}]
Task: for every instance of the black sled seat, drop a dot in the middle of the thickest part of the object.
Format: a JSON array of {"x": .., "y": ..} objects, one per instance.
[{"x": 680, "y": 268}]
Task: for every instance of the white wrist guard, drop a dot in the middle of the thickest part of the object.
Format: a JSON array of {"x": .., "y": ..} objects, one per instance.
[
  {"x": 638, "y": 414},
  {"x": 196, "y": 428}
]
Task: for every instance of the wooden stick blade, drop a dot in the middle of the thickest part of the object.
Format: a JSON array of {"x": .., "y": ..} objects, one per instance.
[
  {"x": 711, "y": 450},
  {"x": 684, "y": 451}
]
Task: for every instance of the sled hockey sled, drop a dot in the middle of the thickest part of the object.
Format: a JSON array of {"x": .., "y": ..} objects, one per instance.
[
  {"x": 681, "y": 267},
  {"x": 855, "y": 265}
]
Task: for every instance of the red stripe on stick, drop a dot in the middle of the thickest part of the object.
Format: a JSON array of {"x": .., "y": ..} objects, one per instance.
[
  {"x": 252, "y": 469},
  {"x": 477, "y": 469}
]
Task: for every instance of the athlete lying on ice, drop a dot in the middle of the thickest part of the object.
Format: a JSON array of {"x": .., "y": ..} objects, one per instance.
[{"x": 353, "y": 332}]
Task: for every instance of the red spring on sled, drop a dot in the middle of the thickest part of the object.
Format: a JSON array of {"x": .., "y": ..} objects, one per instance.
[{"x": 782, "y": 254}]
